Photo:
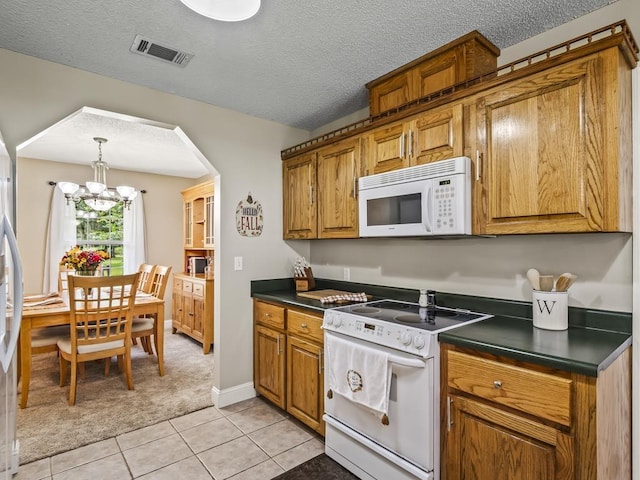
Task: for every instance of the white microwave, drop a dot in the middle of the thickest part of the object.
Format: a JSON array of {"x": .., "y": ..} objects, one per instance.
[{"x": 425, "y": 200}]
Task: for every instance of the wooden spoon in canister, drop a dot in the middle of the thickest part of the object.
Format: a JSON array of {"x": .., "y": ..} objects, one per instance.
[
  {"x": 565, "y": 281},
  {"x": 534, "y": 278}
]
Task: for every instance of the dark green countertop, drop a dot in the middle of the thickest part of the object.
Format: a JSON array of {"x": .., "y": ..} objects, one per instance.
[
  {"x": 595, "y": 338},
  {"x": 580, "y": 350}
]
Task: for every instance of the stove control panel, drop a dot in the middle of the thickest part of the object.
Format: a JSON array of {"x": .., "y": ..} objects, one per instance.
[{"x": 406, "y": 339}]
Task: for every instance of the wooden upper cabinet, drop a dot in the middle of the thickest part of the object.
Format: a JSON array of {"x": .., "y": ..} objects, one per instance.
[
  {"x": 384, "y": 149},
  {"x": 431, "y": 136},
  {"x": 555, "y": 150},
  {"x": 299, "y": 197},
  {"x": 338, "y": 171},
  {"x": 437, "y": 135},
  {"x": 393, "y": 92},
  {"x": 462, "y": 59}
]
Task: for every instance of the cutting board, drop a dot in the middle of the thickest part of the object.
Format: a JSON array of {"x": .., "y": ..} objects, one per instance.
[{"x": 318, "y": 294}]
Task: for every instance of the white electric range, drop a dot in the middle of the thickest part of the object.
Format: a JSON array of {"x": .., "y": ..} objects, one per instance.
[{"x": 408, "y": 447}]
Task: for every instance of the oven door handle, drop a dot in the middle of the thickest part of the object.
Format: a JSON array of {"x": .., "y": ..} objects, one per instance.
[{"x": 407, "y": 362}]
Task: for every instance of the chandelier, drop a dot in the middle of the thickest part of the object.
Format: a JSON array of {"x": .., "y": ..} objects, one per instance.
[
  {"x": 96, "y": 194},
  {"x": 224, "y": 10}
]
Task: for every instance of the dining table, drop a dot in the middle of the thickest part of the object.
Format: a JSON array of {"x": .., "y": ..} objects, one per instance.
[{"x": 56, "y": 313}]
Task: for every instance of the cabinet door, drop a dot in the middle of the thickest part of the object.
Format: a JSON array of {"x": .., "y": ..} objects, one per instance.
[
  {"x": 208, "y": 221},
  {"x": 177, "y": 307},
  {"x": 442, "y": 71},
  {"x": 391, "y": 93},
  {"x": 299, "y": 197},
  {"x": 338, "y": 167},
  {"x": 541, "y": 144},
  {"x": 486, "y": 442},
  {"x": 187, "y": 224},
  {"x": 384, "y": 149},
  {"x": 437, "y": 135},
  {"x": 269, "y": 364},
  {"x": 305, "y": 380},
  {"x": 197, "y": 316}
]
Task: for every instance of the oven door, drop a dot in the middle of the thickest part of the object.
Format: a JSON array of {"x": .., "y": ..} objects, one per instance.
[{"x": 410, "y": 433}]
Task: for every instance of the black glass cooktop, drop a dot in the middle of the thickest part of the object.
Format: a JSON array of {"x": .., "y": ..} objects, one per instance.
[{"x": 412, "y": 315}]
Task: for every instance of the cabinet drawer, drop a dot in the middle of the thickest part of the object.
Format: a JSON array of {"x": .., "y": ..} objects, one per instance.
[
  {"x": 541, "y": 394},
  {"x": 198, "y": 289},
  {"x": 269, "y": 314},
  {"x": 187, "y": 286},
  {"x": 305, "y": 325},
  {"x": 177, "y": 284}
]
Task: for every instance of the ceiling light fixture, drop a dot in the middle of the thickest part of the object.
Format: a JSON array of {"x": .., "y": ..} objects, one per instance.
[
  {"x": 224, "y": 10},
  {"x": 96, "y": 194}
]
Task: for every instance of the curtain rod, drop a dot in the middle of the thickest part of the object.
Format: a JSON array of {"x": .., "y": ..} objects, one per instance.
[{"x": 53, "y": 184}]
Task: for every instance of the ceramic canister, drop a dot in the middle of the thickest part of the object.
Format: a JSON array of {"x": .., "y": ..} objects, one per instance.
[{"x": 550, "y": 310}]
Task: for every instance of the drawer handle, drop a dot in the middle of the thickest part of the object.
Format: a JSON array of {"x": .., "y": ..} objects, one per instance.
[
  {"x": 267, "y": 315},
  {"x": 497, "y": 384},
  {"x": 303, "y": 325}
]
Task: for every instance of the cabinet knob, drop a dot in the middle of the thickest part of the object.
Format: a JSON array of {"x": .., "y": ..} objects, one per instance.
[
  {"x": 497, "y": 384},
  {"x": 303, "y": 325}
]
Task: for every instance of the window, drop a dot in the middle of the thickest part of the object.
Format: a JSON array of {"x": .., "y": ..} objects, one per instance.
[{"x": 102, "y": 231}]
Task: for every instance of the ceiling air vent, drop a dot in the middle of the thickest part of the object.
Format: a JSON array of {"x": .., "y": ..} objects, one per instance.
[{"x": 147, "y": 47}]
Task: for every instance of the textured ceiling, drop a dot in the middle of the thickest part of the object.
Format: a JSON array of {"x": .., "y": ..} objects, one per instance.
[
  {"x": 132, "y": 144},
  {"x": 299, "y": 63}
]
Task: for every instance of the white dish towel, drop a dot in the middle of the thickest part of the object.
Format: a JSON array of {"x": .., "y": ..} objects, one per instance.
[{"x": 359, "y": 373}]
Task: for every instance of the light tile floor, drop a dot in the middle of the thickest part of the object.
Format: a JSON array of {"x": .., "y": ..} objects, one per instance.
[{"x": 248, "y": 440}]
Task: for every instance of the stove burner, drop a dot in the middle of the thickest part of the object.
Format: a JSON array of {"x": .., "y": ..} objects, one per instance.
[{"x": 368, "y": 310}]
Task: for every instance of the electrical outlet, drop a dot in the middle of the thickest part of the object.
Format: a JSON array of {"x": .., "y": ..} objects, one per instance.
[
  {"x": 346, "y": 274},
  {"x": 237, "y": 263}
]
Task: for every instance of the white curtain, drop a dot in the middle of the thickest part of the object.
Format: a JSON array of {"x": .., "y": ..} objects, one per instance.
[
  {"x": 135, "y": 238},
  {"x": 61, "y": 237}
]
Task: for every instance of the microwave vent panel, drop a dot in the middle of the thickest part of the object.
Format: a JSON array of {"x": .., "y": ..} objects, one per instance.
[{"x": 452, "y": 166}]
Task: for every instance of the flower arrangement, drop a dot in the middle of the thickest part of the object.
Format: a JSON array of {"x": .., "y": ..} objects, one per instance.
[{"x": 83, "y": 260}]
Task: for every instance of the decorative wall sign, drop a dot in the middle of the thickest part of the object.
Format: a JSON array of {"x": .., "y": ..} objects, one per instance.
[{"x": 249, "y": 218}]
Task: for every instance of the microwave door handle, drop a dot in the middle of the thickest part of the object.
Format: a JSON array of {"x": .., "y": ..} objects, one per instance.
[{"x": 428, "y": 219}]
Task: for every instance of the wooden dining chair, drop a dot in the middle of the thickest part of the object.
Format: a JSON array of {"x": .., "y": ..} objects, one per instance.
[
  {"x": 143, "y": 327},
  {"x": 63, "y": 275},
  {"x": 101, "y": 310},
  {"x": 146, "y": 272}
]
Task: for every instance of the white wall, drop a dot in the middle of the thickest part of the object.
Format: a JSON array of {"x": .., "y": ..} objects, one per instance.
[
  {"x": 163, "y": 210},
  {"x": 244, "y": 150},
  {"x": 496, "y": 266}
]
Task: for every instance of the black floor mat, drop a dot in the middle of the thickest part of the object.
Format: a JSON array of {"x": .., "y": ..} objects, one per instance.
[{"x": 318, "y": 468}]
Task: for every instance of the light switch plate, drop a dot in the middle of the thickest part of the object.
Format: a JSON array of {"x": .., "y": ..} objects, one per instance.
[{"x": 237, "y": 263}]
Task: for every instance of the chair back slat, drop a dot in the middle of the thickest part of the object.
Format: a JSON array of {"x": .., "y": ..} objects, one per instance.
[
  {"x": 160, "y": 280},
  {"x": 146, "y": 272},
  {"x": 101, "y": 308}
]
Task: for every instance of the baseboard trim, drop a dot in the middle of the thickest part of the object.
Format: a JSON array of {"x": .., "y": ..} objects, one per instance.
[{"x": 229, "y": 396}]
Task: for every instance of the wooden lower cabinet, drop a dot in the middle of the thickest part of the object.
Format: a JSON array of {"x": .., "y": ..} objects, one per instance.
[
  {"x": 269, "y": 364},
  {"x": 305, "y": 378},
  {"x": 193, "y": 308},
  {"x": 508, "y": 420},
  {"x": 288, "y": 360}
]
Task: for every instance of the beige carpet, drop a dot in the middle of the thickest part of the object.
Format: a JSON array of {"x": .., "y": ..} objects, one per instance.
[{"x": 104, "y": 407}]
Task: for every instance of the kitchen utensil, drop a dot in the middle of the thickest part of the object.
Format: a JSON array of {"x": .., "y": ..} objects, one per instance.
[
  {"x": 534, "y": 278},
  {"x": 546, "y": 282},
  {"x": 565, "y": 281}
]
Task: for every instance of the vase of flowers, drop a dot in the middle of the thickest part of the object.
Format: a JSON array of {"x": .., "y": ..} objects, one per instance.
[{"x": 84, "y": 262}]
